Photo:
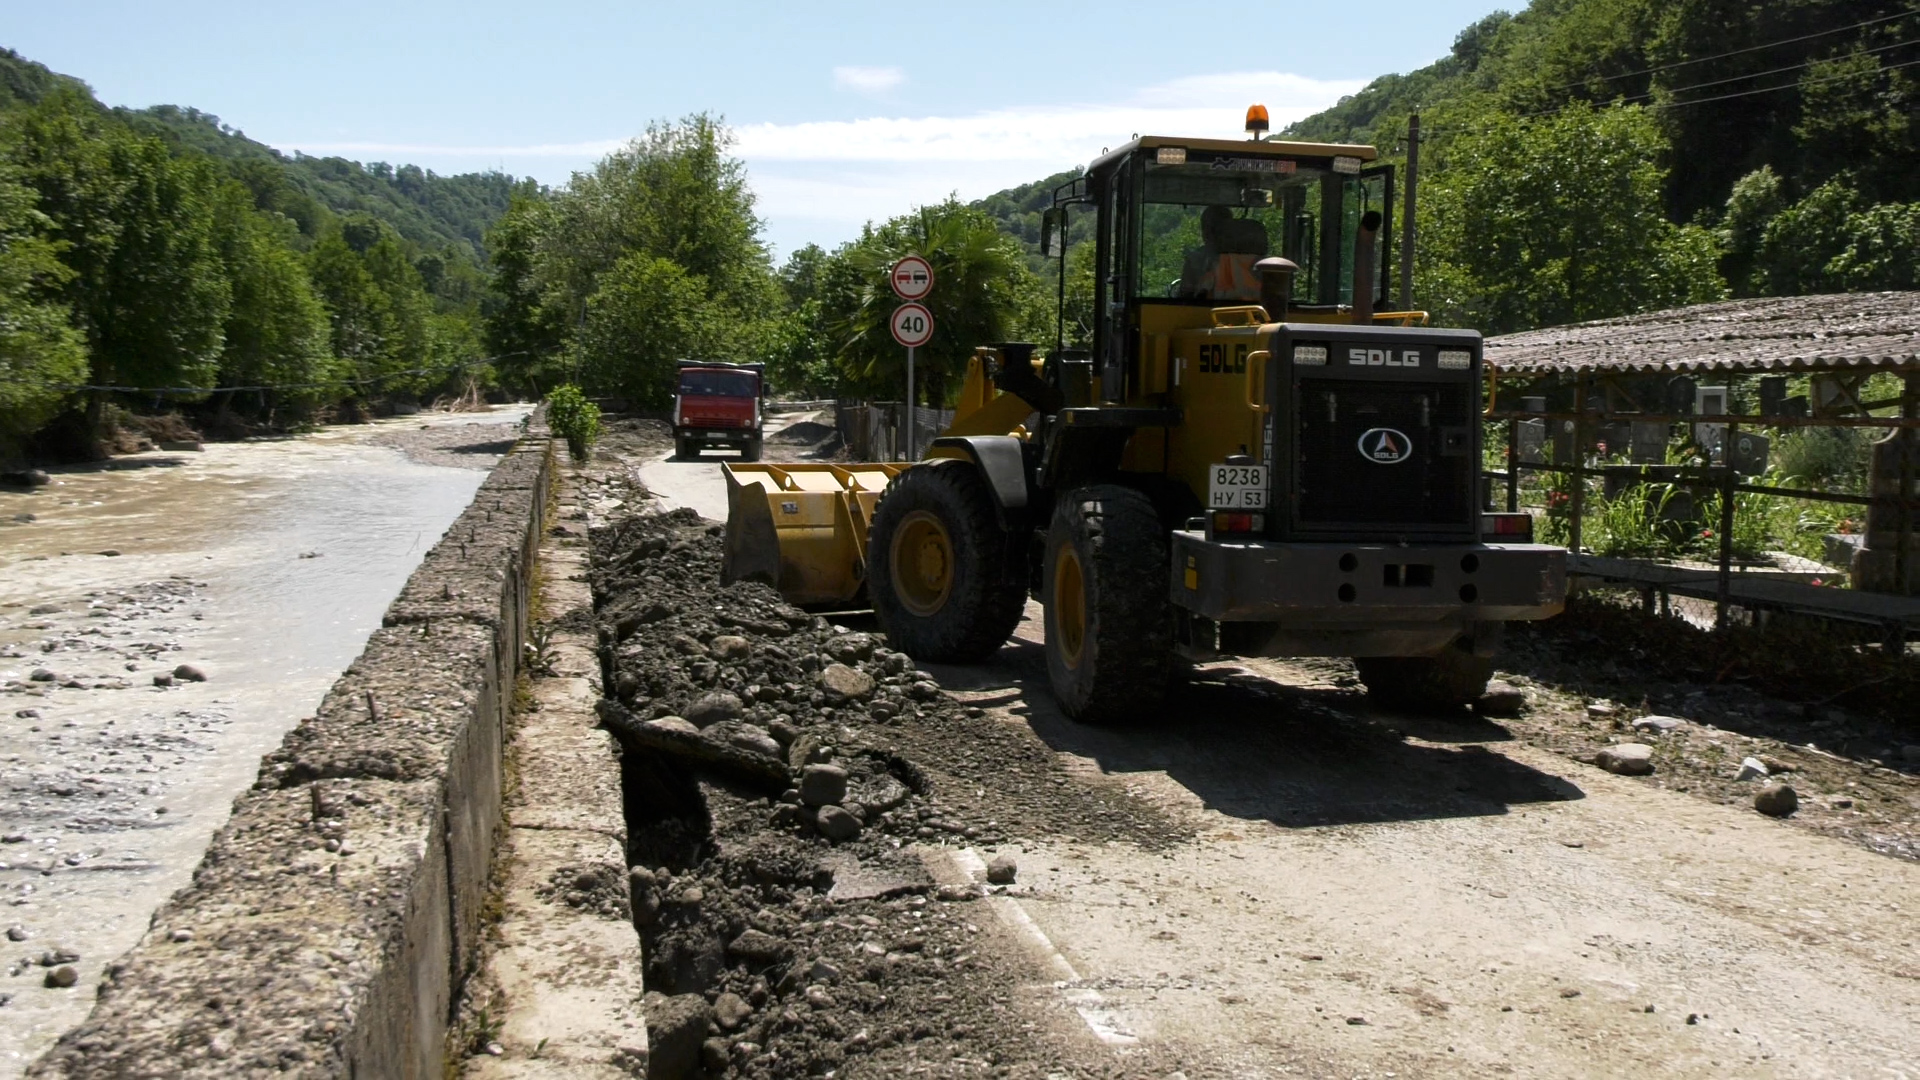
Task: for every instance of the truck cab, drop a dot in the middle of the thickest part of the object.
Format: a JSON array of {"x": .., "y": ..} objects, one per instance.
[{"x": 718, "y": 405}]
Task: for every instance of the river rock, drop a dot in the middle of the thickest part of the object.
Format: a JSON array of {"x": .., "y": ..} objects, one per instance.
[
  {"x": 731, "y": 1010},
  {"x": 677, "y": 724},
  {"x": 1752, "y": 769},
  {"x": 1501, "y": 700},
  {"x": 61, "y": 978},
  {"x": 783, "y": 732},
  {"x": 843, "y": 683},
  {"x": 1001, "y": 870},
  {"x": 1779, "y": 800},
  {"x": 851, "y": 648},
  {"x": 43, "y": 675},
  {"x": 837, "y": 824},
  {"x": 189, "y": 673},
  {"x": 729, "y": 647},
  {"x": 712, "y": 708},
  {"x": 676, "y": 1028},
  {"x": 746, "y": 737},
  {"x": 163, "y": 680},
  {"x": 27, "y": 477},
  {"x": 822, "y": 785},
  {"x": 1659, "y": 725},
  {"x": 1626, "y": 759},
  {"x": 758, "y": 947}
]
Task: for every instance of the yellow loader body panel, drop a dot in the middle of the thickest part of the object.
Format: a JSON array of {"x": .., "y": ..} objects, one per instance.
[{"x": 802, "y": 528}]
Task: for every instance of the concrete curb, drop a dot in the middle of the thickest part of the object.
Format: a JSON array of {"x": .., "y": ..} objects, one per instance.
[{"x": 330, "y": 924}]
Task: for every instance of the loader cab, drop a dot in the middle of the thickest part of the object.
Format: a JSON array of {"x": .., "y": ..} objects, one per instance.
[{"x": 1178, "y": 225}]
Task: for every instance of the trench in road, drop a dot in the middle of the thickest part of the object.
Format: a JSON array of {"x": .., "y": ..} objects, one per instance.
[
  {"x": 267, "y": 564},
  {"x": 1425, "y": 895}
]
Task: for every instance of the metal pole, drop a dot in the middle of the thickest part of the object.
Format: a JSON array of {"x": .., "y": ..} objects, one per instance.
[
  {"x": 910, "y": 454},
  {"x": 1725, "y": 585},
  {"x": 1406, "y": 229},
  {"x": 1577, "y": 504},
  {"x": 1513, "y": 466}
]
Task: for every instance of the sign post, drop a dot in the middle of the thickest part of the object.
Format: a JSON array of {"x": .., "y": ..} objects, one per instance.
[
  {"x": 912, "y": 326},
  {"x": 912, "y": 323}
]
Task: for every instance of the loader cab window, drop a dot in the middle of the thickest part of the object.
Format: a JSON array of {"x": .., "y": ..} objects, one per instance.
[{"x": 1204, "y": 223}]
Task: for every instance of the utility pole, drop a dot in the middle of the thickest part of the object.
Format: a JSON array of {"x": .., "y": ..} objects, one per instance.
[{"x": 1406, "y": 228}]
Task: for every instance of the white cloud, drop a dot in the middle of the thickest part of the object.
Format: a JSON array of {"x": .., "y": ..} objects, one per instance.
[
  {"x": 817, "y": 181},
  {"x": 868, "y": 80}
]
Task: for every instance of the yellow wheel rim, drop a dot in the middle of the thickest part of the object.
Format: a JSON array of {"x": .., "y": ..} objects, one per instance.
[
  {"x": 1069, "y": 605},
  {"x": 922, "y": 563}
]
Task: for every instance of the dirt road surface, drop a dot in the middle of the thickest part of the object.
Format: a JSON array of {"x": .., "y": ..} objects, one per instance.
[
  {"x": 264, "y": 565},
  {"x": 1376, "y": 894},
  {"x": 698, "y": 483}
]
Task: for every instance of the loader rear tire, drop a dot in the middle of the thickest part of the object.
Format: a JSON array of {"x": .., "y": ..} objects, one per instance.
[
  {"x": 944, "y": 578},
  {"x": 1109, "y": 624},
  {"x": 1453, "y": 679}
]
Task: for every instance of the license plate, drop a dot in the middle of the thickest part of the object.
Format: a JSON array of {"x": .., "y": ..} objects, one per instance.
[{"x": 1237, "y": 487}]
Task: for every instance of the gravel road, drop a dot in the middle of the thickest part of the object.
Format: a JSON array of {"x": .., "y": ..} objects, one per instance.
[{"x": 1276, "y": 878}]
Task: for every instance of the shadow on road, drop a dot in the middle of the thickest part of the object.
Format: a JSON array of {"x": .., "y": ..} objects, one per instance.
[{"x": 1253, "y": 747}]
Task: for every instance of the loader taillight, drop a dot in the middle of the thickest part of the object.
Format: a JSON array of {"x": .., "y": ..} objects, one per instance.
[
  {"x": 1239, "y": 523},
  {"x": 1508, "y": 526}
]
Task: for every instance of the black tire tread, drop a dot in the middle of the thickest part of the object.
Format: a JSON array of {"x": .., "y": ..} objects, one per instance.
[
  {"x": 1130, "y": 628},
  {"x": 989, "y": 590}
]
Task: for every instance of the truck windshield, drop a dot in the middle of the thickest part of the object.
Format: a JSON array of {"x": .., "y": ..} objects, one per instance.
[
  {"x": 1206, "y": 222},
  {"x": 718, "y": 383}
]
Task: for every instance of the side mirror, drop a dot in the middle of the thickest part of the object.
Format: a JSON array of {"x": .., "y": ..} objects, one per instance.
[
  {"x": 1053, "y": 232},
  {"x": 1255, "y": 197}
]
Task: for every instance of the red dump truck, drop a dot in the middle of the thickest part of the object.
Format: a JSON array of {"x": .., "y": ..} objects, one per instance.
[{"x": 718, "y": 404}]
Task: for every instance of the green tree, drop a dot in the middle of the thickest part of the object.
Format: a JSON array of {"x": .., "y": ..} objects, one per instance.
[
  {"x": 1537, "y": 222},
  {"x": 136, "y": 227},
  {"x": 40, "y": 351},
  {"x": 276, "y": 331},
  {"x": 647, "y": 314},
  {"x": 360, "y": 316},
  {"x": 525, "y": 334},
  {"x": 985, "y": 294}
]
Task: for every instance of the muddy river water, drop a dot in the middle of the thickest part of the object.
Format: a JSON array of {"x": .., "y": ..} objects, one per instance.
[{"x": 262, "y": 565}]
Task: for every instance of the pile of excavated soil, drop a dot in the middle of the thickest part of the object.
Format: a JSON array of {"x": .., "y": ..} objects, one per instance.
[{"x": 754, "y": 732}]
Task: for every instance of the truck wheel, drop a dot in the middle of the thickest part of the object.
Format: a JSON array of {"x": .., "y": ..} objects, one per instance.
[
  {"x": 1452, "y": 680},
  {"x": 943, "y": 576},
  {"x": 684, "y": 449},
  {"x": 751, "y": 451},
  {"x": 1109, "y": 624}
]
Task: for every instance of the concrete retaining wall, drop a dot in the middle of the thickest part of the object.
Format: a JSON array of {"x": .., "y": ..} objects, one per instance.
[{"x": 328, "y": 928}]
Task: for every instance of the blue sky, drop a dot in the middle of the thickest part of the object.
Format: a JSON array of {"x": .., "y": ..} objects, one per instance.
[{"x": 845, "y": 112}]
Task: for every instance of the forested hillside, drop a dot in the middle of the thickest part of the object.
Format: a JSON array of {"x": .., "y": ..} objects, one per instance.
[
  {"x": 159, "y": 251},
  {"x": 1587, "y": 158}
]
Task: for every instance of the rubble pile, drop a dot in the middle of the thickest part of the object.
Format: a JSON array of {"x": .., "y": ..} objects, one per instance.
[{"x": 786, "y": 779}]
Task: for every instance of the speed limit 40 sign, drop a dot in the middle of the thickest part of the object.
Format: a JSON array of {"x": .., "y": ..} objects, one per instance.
[{"x": 912, "y": 325}]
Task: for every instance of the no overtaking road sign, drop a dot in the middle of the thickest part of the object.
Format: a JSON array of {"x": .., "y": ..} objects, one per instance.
[{"x": 912, "y": 278}]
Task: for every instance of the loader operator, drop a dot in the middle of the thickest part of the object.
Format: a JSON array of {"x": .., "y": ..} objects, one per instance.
[{"x": 1221, "y": 268}]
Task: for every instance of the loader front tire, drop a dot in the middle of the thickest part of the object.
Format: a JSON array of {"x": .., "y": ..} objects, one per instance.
[
  {"x": 1109, "y": 624},
  {"x": 1453, "y": 679},
  {"x": 944, "y": 578}
]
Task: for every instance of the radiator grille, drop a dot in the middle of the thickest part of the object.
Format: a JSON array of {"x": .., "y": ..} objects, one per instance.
[{"x": 1342, "y": 422}]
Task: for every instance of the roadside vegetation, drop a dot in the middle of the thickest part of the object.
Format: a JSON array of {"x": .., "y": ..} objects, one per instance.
[{"x": 1580, "y": 159}]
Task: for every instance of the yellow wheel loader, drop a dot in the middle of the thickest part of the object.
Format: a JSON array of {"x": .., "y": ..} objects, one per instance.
[{"x": 1250, "y": 460}]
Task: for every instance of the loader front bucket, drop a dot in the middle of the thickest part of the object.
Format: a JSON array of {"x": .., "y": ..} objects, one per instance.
[{"x": 802, "y": 528}]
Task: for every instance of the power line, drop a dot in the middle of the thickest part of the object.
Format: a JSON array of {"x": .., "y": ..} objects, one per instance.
[
  {"x": 1736, "y": 52},
  {"x": 1775, "y": 71},
  {"x": 1785, "y": 86}
]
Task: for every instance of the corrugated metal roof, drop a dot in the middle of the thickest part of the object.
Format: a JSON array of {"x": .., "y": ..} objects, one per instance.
[{"x": 1839, "y": 332}]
